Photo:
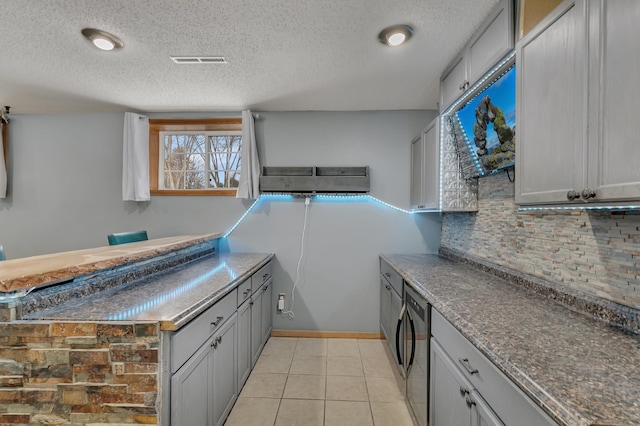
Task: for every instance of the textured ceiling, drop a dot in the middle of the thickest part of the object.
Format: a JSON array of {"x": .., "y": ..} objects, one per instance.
[{"x": 282, "y": 54}]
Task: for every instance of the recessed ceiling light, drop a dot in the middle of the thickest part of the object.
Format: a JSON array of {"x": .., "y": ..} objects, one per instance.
[
  {"x": 395, "y": 35},
  {"x": 102, "y": 39}
]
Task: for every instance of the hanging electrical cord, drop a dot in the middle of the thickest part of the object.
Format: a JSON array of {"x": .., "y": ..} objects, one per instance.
[{"x": 290, "y": 313}]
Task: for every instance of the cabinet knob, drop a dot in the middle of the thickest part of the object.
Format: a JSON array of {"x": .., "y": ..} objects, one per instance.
[
  {"x": 266, "y": 287},
  {"x": 573, "y": 195},
  {"x": 219, "y": 339},
  {"x": 387, "y": 287},
  {"x": 588, "y": 193},
  {"x": 387, "y": 274},
  {"x": 467, "y": 366},
  {"x": 470, "y": 402},
  {"x": 214, "y": 344},
  {"x": 463, "y": 391},
  {"x": 264, "y": 277}
]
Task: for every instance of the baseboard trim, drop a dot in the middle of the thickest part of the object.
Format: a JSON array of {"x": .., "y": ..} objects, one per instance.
[{"x": 327, "y": 334}]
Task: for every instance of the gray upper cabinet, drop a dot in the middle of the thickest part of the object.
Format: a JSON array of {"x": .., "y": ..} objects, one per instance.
[
  {"x": 425, "y": 169},
  {"x": 489, "y": 44},
  {"x": 576, "y": 94},
  {"x": 614, "y": 67}
]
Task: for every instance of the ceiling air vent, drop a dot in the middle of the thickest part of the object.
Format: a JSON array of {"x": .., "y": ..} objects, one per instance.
[{"x": 199, "y": 60}]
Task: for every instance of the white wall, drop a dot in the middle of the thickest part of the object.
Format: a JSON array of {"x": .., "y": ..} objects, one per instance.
[{"x": 65, "y": 194}]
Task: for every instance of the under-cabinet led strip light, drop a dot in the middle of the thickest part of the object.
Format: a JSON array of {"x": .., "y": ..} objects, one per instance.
[
  {"x": 600, "y": 208},
  {"x": 319, "y": 197}
]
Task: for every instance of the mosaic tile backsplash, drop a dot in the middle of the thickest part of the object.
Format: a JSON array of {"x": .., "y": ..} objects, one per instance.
[{"x": 596, "y": 252}]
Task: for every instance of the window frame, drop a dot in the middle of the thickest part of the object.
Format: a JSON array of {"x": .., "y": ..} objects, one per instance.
[{"x": 185, "y": 125}]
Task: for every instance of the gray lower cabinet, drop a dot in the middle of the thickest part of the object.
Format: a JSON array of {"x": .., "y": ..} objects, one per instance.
[
  {"x": 267, "y": 310},
  {"x": 225, "y": 365},
  {"x": 256, "y": 326},
  {"x": 212, "y": 356},
  {"x": 204, "y": 389},
  {"x": 244, "y": 343},
  {"x": 467, "y": 389},
  {"x": 385, "y": 306},
  {"x": 390, "y": 305},
  {"x": 453, "y": 400},
  {"x": 190, "y": 396}
]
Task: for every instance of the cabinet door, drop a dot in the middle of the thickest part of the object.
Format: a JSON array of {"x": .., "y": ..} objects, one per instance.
[
  {"x": 481, "y": 413},
  {"x": 417, "y": 173},
  {"x": 614, "y": 163},
  {"x": 452, "y": 83},
  {"x": 493, "y": 41},
  {"x": 394, "y": 313},
  {"x": 431, "y": 138},
  {"x": 385, "y": 305},
  {"x": 190, "y": 394},
  {"x": 267, "y": 310},
  {"x": 256, "y": 326},
  {"x": 224, "y": 383},
  {"x": 448, "y": 390},
  {"x": 550, "y": 110},
  {"x": 244, "y": 343}
]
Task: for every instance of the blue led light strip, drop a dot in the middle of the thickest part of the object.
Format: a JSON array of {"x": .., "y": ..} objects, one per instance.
[
  {"x": 365, "y": 197},
  {"x": 163, "y": 298}
]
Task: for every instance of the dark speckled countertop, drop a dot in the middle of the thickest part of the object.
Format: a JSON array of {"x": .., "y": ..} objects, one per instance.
[
  {"x": 579, "y": 370},
  {"x": 172, "y": 297}
]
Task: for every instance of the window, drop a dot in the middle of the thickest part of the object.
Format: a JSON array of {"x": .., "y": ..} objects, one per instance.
[{"x": 194, "y": 157}]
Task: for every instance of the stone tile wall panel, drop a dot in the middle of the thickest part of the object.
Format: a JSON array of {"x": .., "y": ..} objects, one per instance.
[
  {"x": 75, "y": 373},
  {"x": 595, "y": 252}
]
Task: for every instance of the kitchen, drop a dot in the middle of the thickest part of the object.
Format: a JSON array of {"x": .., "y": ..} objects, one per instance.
[{"x": 334, "y": 283}]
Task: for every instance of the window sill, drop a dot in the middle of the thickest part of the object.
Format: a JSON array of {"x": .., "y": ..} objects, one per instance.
[{"x": 195, "y": 192}]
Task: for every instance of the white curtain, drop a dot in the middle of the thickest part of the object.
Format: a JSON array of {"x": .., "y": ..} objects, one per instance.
[
  {"x": 3, "y": 168},
  {"x": 135, "y": 158},
  {"x": 249, "y": 185}
]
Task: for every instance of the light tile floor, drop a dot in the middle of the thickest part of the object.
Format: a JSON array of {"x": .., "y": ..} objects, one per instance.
[{"x": 307, "y": 382}]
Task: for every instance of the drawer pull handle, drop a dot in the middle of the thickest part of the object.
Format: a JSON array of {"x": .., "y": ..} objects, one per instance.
[
  {"x": 467, "y": 366},
  {"x": 245, "y": 293},
  {"x": 219, "y": 339},
  {"x": 388, "y": 275},
  {"x": 264, "y": 277},
  {"x": 217, "y": 321},
  {"x": 470, "y": 402},
  {"x": 463, "y": 391},
  {"x": 214, "y": 344},
  {"x": 266, "y": 287},
  {"x": 387, "y": 287}
]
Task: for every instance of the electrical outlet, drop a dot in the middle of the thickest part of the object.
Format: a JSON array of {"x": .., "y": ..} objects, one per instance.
[{"x": 281, "y": 301}]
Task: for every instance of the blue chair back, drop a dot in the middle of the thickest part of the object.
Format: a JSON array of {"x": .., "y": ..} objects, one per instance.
[{"x": 127, "y": 237}]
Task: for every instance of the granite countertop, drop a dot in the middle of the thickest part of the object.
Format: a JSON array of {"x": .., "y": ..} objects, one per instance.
[
  {"x": 579, "y": 370},
  {"x": 172, "y": 297},
  {"x": 35, "y": 271}
]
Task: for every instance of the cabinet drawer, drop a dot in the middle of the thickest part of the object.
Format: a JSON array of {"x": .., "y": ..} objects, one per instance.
[
  {"x": 505, "y": 398},
  {"x": 244, "y": 291},
  {"x": 392, "y": 276},
  {"x": 262, "y": 276},
  {"x": 189, "y": 338}
]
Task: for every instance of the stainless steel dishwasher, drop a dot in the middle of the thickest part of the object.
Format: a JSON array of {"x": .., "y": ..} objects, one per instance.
[{"x": 416, "y": 321}]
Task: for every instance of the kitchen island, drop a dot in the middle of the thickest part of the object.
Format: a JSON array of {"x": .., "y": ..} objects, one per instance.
[
  {"x": 80, "y": 355},
  {"x": 579, "y": 370}
]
